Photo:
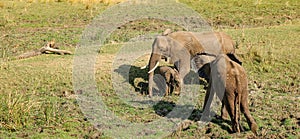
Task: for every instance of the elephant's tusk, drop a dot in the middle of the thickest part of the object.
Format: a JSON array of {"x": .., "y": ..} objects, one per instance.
[
  {"x": 154, "y": 67},
  {"x": 144, "y": 67}
]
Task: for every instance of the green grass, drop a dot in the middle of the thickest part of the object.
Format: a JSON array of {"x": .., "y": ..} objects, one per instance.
[
  {"x": 247, "y": 13},
  {"x": 36, "y": 94}
]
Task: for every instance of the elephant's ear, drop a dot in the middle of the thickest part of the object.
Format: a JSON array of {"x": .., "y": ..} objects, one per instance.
[
  {"x": 193, "y": 45},
  {"x": 234, "y": 58}
]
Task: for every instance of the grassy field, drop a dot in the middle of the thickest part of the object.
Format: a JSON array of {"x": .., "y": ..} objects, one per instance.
[{"x": 37, "y": 97}]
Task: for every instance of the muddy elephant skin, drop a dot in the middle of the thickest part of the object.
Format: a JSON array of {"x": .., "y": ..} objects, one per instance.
[{"x": 232, "y": 76}]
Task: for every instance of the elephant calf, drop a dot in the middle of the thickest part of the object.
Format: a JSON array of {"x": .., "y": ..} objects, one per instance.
[
  {"x": 230, "y": 75},
  {"x": 172, "y": 79}
]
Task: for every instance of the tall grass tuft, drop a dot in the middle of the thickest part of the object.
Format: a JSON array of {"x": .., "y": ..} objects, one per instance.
[{"x": 17, "y": 110}]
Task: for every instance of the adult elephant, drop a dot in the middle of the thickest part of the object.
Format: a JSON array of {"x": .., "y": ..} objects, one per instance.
[{"x": 182, "y": 46}]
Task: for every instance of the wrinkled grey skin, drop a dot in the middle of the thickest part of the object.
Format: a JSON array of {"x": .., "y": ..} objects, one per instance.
[
  {"x": 172, "y": 79},
  {"x": 178, "y": 54},
  {"x": 182, "y": 46},
  {"x": 228, "y": 80}
]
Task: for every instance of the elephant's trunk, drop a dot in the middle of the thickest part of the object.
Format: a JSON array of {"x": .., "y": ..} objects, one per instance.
[{"x": 153, "y": 64}]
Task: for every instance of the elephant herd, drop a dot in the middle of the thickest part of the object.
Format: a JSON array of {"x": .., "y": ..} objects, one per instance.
[{"x": 212, "y": 56}]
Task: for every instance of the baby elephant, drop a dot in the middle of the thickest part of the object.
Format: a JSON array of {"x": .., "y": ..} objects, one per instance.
[
  {"x": 230, "y": 75},
  {"x": 172, "y": 79}
]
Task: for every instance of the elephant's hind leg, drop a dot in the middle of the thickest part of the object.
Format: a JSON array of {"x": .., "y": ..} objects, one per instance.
[
  {"x": 224, "y": 112},
  {"x": 245, "y": 110},
  {"x": 229, "y": 100}
]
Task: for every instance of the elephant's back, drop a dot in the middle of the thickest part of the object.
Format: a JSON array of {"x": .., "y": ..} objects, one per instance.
[
  {"x": 216, "y": 42},
  {"x": 226, "y": 41},
  {"x": 236, "y": 74}
]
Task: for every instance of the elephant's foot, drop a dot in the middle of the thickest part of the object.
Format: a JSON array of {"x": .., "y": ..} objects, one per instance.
[
  {"x": 177, "y": 92},
  {"x": 254, "y": 128}
]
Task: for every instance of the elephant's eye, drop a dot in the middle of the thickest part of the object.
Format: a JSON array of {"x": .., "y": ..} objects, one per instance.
[{"x": 162, "y": 48}]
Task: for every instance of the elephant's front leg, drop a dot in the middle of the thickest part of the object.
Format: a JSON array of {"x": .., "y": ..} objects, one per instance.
[
  {"x": 184, "y": 69},
  {"x": 167, "y": 92},
  {"x": 168, "y": 82},
  {"x": 207, "y": 94}
]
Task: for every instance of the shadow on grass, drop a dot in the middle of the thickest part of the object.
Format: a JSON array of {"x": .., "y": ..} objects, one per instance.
[
  {"x": 134, "y": 73},
  {"x": 163, "y": 108},
  {"x": 142, "y": 87}
]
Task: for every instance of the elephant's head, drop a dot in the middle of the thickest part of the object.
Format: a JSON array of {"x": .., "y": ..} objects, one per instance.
[
  {"x": 160, "y": 50},
  {"x": 179, "y": 47},
  {"x": 162, "y": 47}
]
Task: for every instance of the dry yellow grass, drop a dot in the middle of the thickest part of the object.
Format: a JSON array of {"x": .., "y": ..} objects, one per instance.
[
  {"x": 1, "y": 4},
  {"x": 79, "y": 1},
  {"x": 96, "y": 1}
]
